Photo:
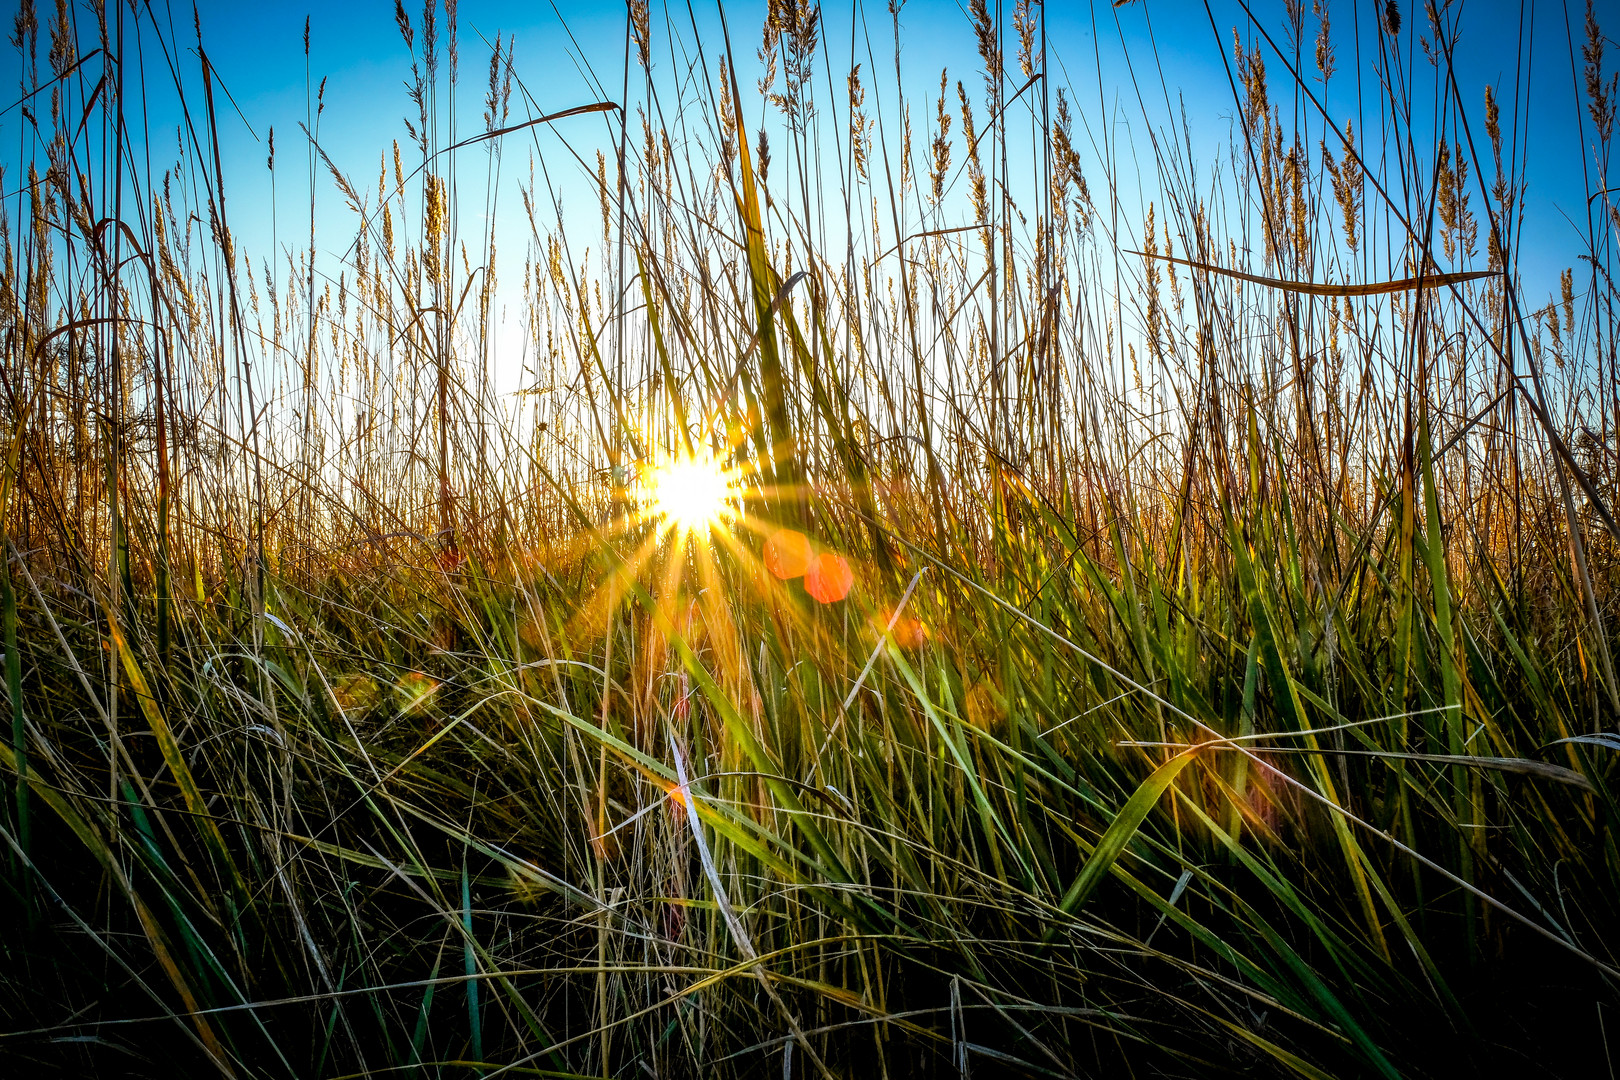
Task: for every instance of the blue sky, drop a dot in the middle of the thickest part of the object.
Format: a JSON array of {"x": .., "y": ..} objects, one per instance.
[{"x": 356, "y": 47}]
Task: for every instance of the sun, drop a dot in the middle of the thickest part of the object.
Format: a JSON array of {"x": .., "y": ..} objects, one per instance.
[{"x": 691, "y": 494}]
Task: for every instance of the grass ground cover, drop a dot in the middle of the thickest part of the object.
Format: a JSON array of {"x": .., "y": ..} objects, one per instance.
[{"x": 914, "y": 621}]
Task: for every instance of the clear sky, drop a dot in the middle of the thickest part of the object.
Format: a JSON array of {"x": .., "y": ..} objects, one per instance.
[{"x": 570, "y": 54}]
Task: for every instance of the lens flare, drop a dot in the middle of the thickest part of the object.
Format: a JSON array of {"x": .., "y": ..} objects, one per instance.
[
  {"x": 828, "y": 578},
  {"x": 787, "y": 554},
  {"x": 690, "y": 494}
]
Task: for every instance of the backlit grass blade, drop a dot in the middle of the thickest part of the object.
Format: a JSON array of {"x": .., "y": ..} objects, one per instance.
[
  {"x": 1286, "y": 697},
  {"x": 783, "y": 464},
  {"x": 14, "y": 700},
  {"x": 1121, "y": 830},
  {"x": 475, "y": 1018}
]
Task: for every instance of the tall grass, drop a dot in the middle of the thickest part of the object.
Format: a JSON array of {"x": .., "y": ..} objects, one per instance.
[{"x": 1227, "y": 682}]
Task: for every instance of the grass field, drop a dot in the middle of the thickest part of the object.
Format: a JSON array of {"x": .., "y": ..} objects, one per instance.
[{"x": 944, "y": 599}]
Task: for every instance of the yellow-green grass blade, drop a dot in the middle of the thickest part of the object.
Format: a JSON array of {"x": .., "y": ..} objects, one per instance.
[
  {"x": 1285, "y": 695},
  {"x": 1121, "y": 830}
]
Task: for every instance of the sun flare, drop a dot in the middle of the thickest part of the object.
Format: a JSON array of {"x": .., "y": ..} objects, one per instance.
[{"x": 690, "y": 494}]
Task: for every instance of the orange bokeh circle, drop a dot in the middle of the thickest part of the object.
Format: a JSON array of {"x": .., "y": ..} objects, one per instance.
[
  {"x": 828, "y": 578},
  {"x": 787, "y": 554}
]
